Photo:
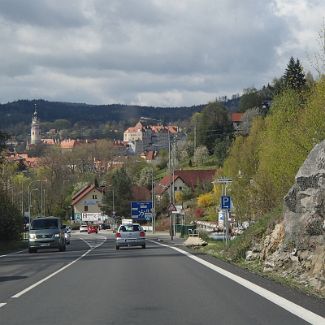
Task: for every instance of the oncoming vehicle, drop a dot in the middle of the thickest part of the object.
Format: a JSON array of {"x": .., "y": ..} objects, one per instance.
[
  {"x": 46, "y": 233},
  {"x": 83, "y": 228},
  {"x": 67, "y": 233},
  {"x": 130, "y": 235}
]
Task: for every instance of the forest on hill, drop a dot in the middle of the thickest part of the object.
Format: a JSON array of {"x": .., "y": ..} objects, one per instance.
[{"x": 16, "y": 116}]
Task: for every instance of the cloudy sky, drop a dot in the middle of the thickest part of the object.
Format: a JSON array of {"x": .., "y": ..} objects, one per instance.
[{"x": 150, "y": 52}]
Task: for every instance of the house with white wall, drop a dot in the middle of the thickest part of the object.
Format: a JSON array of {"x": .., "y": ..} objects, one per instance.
[{"x": 87, "y": 204}]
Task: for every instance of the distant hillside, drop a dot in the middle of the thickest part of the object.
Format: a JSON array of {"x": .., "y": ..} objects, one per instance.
[{"x": 21, "y": 112}]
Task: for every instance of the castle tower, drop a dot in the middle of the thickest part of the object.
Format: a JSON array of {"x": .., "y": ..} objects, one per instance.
[{"x": 35, "y": 132}]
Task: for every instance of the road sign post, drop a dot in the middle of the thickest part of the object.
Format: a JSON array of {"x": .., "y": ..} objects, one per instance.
[
  {"x": 171, "y": 208},
  {"x": 225, "y": 202}
]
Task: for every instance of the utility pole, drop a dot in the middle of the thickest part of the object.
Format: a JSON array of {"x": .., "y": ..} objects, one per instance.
[
  {"x": 153, "y": 216},
  {"x": 170, "y": 168},
  {"x": 194, "y": 140}
]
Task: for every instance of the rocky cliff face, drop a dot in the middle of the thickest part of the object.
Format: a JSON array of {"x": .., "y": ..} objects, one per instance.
[{"x": 296, "y": 247}]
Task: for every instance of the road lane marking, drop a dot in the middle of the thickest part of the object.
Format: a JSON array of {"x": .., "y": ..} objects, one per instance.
[
  {"x": 91, "y": 240},
  {"x": 2, "y": 304},
  {"x": 288, "y": 305},
  {"x": 19, "y": 294},
  {"x": 11, "y": 254}
]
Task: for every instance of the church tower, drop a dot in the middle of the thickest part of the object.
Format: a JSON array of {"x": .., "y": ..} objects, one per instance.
[{"x": 35, "y": 133}]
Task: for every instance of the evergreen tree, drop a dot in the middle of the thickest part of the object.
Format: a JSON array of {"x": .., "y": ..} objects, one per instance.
[
  {"x": 211, "y": 124},
  {"x": 121, "y": 185},
  {"x": 294, "y": 76},
  {"x": 251, "y": 98},
  {"x": 3, "y": 138}
]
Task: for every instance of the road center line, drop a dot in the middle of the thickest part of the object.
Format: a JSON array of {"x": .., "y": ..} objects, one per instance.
[
  {"x": 288, "y": 305},
  {"x": 19, "y": 294}
]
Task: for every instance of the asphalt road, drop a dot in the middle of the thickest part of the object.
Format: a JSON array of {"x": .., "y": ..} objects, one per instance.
[{"x": 92, "y": 283}]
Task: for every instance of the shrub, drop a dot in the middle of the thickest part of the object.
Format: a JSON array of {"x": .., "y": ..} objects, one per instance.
[
  {"x": 11, "y": 222},
  {"x": 254, "y": 233}
]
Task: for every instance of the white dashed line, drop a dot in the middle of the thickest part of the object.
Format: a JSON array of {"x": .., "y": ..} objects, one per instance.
[
  {"x": 288, "y": 305},
  {"x": 2, "y": 304},
  {"x": 19, "y": 294}
]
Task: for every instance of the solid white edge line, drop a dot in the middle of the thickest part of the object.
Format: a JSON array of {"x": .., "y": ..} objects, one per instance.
[
  {"x": 288, "y": 305},
  {"x": 19, "y": 294},
  {"x": 2, "y": 304}
]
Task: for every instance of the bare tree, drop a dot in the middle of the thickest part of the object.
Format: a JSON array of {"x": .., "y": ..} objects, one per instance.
[{"x": 318, "y": 59}]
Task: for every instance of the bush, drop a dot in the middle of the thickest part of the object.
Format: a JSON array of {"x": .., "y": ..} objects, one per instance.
[
  {"x": 11, "y": 222},
  {"x": 238, "y": 247},
  {"x": 204, "y": 235}
]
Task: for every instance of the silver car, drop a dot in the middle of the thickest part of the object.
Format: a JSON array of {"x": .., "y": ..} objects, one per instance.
[
  {"x": 67, "y": 233},
  {"x": 130, "y": 235},
  {"x": 46, "y": 233}
]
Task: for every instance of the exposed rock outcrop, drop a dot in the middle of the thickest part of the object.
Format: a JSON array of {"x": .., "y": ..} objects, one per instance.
[{"x": 296, "y": 247}]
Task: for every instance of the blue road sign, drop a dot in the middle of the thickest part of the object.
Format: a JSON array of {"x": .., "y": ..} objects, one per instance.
[
  {"x": 141, "y": 211},
  {"x": 225, "y": 202}
]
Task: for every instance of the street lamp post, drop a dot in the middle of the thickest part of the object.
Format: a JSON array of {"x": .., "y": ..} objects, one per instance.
[
  {"x": 30, "y": 205},
  {"x": 113, "y": 202},
  {"x": 153, "y": 215},
  {"x": 29, "y": 196}
]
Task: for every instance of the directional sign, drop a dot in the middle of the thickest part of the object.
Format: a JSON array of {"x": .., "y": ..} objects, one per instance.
[
  {"x": 225, "y": 202},
  {"x": 141, "y": 211}
]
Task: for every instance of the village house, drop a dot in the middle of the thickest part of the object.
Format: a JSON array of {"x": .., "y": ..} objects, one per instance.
[
  {"x": 87, "y": 204},
  {"x": 236, "y": 119},
  {"x": 182, "y": 180}
]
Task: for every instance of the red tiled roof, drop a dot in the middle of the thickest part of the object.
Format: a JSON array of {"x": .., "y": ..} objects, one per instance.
[
  {"x": 83, "y": 192},
  {"x": 136, "y": 128},
  {"x": 191, "y": 178},
  {"x": 236, "y": 117},
  {"x": 48, "y": 141},
  {"x": 140, "y": 193},
  {"x": 68, "y": 144}
]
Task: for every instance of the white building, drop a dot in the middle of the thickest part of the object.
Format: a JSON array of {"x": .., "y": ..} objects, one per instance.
[
  {"x": 35, "y": 133},
  {"x": 152, "y": 137}
]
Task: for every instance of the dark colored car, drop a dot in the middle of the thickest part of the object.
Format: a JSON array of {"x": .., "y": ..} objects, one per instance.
[
  {"x": 46, "y": 233},
  {"x": 105, "y": 226},
  {"x": 92, "y": 229}
]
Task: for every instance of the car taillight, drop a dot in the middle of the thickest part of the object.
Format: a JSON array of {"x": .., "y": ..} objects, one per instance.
[
  {"x": 142, "y": 234},
  {"x": 117, "y": 235}
]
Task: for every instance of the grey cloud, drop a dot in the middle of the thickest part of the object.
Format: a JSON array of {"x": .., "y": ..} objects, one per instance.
[
  {"x": 43, "y": 13},
  {"x": 126, "y": 49}
]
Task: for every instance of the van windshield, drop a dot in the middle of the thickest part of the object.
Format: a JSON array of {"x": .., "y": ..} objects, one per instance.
[{"x": 44, "y": 224}]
